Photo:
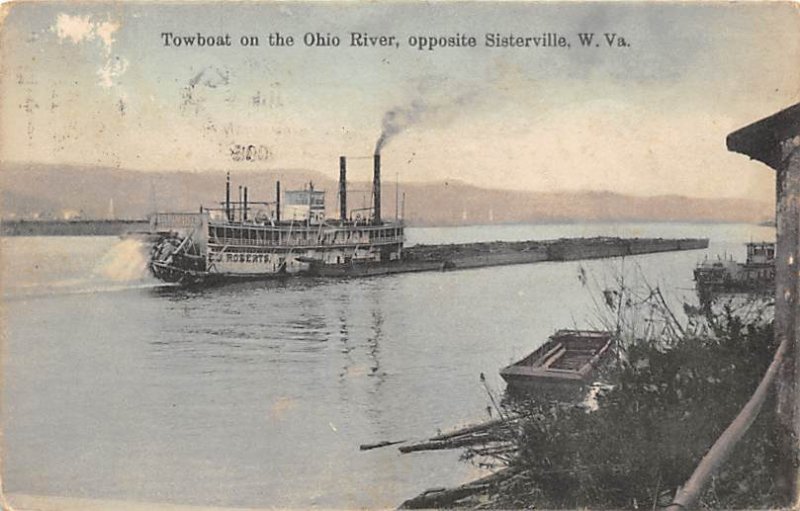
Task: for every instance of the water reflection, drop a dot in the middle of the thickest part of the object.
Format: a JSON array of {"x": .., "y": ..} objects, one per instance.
[
  {"x": 342, "y": 302},
  {"x": 265, "y": 389},
  {"x": 374, "y": 344}
]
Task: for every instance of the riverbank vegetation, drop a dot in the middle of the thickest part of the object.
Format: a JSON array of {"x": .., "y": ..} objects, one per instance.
[{"x": 672, "y": 388}]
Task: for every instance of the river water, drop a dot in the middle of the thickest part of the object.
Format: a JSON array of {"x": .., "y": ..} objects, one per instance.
[{"x": 259, "y": 394}]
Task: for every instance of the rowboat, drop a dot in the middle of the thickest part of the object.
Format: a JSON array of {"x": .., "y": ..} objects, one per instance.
[{"x": 569, "y": 357}]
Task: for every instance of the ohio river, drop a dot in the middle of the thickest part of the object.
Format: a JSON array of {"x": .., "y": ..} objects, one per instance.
[{"x": 259, "y": 394}]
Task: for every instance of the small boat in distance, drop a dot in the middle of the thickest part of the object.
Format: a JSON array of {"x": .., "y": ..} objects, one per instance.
[
  {"x": 757, "y": 273},
  {"x": 569, "y": 356}
]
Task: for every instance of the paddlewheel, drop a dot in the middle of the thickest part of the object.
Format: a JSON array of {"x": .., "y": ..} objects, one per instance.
[{"x": 176, "y": 259}]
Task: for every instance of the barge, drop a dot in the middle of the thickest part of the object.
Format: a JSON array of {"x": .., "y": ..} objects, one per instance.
[
  {"x": 568, "y": 357},
  {"x": 497, "y": 253}
]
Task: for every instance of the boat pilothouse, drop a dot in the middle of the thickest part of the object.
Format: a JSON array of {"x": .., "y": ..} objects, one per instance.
[{"x": 248, "y": 239}]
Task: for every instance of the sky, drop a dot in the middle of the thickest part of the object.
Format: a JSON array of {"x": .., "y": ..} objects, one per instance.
[{"x": 93, "y": 84}]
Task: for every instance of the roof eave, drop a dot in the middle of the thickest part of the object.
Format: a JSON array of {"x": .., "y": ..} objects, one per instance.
[{"x": 762, "y": 139}]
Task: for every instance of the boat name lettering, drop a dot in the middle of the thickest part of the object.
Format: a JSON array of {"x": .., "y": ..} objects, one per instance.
[{"x": 235, "y": 257}]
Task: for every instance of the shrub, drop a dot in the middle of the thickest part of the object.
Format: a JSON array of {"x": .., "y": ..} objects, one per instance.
[{"x": 669, "y": 401}]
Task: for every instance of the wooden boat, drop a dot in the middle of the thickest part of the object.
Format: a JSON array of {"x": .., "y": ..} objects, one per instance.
[{"x": 569, "y": 356}]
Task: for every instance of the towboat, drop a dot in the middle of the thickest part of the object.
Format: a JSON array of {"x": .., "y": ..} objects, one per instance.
[
  {"x": 568, "y": 357},
  {"x": 290, "y": 235}
]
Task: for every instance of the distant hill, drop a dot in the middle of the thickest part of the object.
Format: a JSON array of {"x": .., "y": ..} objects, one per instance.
[{"x": 49, "y": 191}]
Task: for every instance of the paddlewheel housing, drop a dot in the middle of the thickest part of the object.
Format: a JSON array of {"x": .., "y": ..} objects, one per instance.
[{"x": 175, "y": 258}]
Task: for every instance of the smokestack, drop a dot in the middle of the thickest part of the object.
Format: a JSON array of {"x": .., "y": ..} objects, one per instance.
[
  {"x": 277, "y": 201},
  {"x": 310, "y": 200},
  {"x": 342, "y": 188},
  {"x": 245, "y": 203},
  {"x": 240, "y": 203},
  {"x": 376, "y": 188},
  {"x": 228, "y": 198}
]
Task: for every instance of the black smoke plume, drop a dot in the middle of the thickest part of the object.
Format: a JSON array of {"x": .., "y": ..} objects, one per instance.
[{"x": 397, "y": 120}]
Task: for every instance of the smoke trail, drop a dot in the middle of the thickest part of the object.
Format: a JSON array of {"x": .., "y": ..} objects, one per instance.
[
  {"x": 420, "y": 111},
  {"x": 398, "y": 119}
]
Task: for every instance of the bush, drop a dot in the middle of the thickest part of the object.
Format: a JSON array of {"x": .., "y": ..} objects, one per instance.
[{"x": 668, "y": 404}]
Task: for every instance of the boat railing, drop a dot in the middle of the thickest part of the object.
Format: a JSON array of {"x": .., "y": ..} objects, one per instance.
[
  {"x": 312, "y": 242},
  {"x": 169, "y": 221},
  {"x": 296, "y": 225}
]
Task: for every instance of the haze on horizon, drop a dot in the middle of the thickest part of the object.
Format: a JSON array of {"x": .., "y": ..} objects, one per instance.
[{"x": 91, "y": 84}]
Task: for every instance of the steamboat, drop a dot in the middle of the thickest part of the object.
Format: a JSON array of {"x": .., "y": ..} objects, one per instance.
[
  {"x": 290, "y": 235},
  {"x": 757, "y": 273}
]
